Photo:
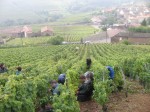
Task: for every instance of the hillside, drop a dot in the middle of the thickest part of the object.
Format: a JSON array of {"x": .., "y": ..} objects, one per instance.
[
  {"x": 17, "y": 12},
  {"x": 20, "y": 12}
]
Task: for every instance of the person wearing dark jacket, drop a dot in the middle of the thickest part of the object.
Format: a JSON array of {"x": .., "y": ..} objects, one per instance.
[
  {"x": 111, "y": 72},
  {"x": 88, "y": 63},
  {"x": 89, "y": 80},
  {"x": 83, "y": 92}
]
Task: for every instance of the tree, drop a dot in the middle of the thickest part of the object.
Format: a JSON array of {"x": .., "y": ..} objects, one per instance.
[
  {"x": 56, "y": 40},
  {"x": 144, "y": 22},
  {"x": 126, "y": 42},
  {"x": 141, "y": 29},
  {"x": 148, "y": 21},
  {"x": 104, "y": 28}
]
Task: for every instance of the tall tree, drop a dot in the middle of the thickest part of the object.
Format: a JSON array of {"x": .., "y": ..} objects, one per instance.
[
  {"x": 144, "y": 22},
  {"x": 148, "y": 21}
]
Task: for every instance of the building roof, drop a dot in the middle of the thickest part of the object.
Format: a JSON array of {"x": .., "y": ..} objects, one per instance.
[
  {"x": 112, "y": 32},
  {"x": 133, "y": 35},
  {"x": 102, "y": 35},
  {"x": 15, "y": 30},
  {"x": 27, "y": 29}
]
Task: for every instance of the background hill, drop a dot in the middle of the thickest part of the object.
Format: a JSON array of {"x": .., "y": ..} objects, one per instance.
[{"x": 20, "y": 12}]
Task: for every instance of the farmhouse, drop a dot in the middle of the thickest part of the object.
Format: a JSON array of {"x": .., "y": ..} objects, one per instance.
[
  {"x": 134, "y": 38},
  {"x": 46, "y": 31},
  {"x": 27, "y": 31},
  {"x": 17, "y": 32},
  {"x": 102, "y": 37}
]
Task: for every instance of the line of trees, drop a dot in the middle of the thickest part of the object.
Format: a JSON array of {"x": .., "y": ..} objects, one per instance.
[
  {"x": 144, "y": 28},
  {"x": 141, "y": 29}
]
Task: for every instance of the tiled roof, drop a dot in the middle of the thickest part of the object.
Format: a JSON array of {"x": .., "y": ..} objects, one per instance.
[
  {"x": 46, "y": 28},
  {"x": 16, "y": 30},
  {"x": 133, "y": 35},
  {"x": 103, "y": 35}
]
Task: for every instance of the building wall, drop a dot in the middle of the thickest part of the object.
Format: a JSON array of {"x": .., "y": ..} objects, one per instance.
[
  {"x": 133, "y": 40},
  {"x": 47, "y": 33},
  {"x": 141, "y": 40},
  {"x": 118, "y": 39}
]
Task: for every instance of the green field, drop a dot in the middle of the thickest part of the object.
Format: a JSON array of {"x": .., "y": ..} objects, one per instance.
[
  {"x": 26, "y": 92},
  {"x": 77, "y": 18},
  {"x": 69, "y": 33},
  {"x": 28, "y": 41}
]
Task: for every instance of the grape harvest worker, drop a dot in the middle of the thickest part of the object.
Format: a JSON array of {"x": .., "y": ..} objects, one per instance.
[
  {"x": 111, "y": 72},
  {"x": 19, "y": 70},
  {"x": 61, "y": 79},
  {"x": 91, "y": 74},
  {"x": 83, "y": 93},
  {"x": 3, "y": 69},
  {"x": 55, "y": 87},
  {"x": 47, "y": 107},
  {"x": 88, "y": 63},
  {"x": 89, "y": 81}
]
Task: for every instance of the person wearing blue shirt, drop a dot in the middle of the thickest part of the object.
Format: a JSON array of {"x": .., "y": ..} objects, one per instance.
[
  {"x": 18, "y": 72},
  {"x": 61, "y": 79},
  {"x": 55, "y": 88},
  {"x": 3, "y": 69},
  {"x": 111, "y": 72}
]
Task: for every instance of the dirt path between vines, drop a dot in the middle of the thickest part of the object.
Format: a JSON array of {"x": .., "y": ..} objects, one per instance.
[
  {"x": 137, "y": 101},
  {"x": 134, "y": 103}
]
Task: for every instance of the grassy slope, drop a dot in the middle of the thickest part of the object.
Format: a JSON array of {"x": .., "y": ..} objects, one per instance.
[
  {"x": 75, "y": 18},
  {"x": 28, "y": 41}
]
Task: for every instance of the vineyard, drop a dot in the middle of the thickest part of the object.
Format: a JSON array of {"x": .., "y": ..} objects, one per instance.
[
  {"x": 26, "y": 92},
  {"x": 69, "y": 33}
]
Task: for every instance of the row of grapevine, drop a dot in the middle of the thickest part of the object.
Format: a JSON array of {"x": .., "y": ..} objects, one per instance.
[{"x": 25, "y": 93}]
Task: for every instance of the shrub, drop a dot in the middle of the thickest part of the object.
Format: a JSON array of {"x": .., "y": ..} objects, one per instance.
[
  {"x": 126, "y": 42},
  {"x": 56, "y": 40}
]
